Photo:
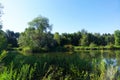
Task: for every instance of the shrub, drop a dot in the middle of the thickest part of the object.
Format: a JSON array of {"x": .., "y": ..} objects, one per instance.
[
  {"x": 69, "y": 47},
  {"x": 27, "y": 50},
  {"x": 92, "y": 45}
]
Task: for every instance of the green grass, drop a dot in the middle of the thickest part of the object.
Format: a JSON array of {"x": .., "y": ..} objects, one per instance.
[
  {"x": 59, "y": 66},
  {"x": 66, "y": 62},
  {"x": 109, "y": 47},
  {"x": 25, "y": 72}
]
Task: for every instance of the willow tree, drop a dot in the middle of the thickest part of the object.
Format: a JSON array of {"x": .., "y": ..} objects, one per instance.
[
  {"x": 41, "y": 24},
  {"x": 37, "y": 35}
]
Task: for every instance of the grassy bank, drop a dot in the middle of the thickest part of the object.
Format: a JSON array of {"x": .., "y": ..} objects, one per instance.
[{"x": 77, "y": 48}]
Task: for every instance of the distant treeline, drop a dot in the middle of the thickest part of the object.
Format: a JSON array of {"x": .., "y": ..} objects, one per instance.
[{"x": 38, "y": 37}]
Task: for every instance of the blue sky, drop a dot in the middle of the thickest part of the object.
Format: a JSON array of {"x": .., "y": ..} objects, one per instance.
[{"x": 101, "y": 16}]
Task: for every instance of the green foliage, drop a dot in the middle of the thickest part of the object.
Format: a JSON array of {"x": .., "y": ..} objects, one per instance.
[
  {"x": 39, "y": 38},
  {"x": 23, "y": 73},
  {"x": 117, "y": 37},
  {"x": 3, "y": 40},
  {"x": 69, "y": 47},
  {"x": 38, "y": 35},
  {"x": 41, "y": 24},
  {"x": 3, "y": 54},
  {"x": 26, "y": 50},
  {"x": 48, "y": 65},
  {"x": 84, "y": 40},
  {"x": 12, "y": 38},
  {"x": 57, "y": 38},
  {"x": 92, "y": 45},
  {"x": 59, "y": 66}
]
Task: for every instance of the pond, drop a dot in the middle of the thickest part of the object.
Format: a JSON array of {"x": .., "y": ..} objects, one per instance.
[
  {"x": 82, "y": 65},
  {"x": 108, "y": 62},
  {"x": 105, "y": 63}
]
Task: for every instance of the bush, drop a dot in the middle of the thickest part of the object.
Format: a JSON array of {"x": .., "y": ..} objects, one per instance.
[
  {"x": 27, "y": 50},
  {"x": 92, "y": 45},
  {"x": 69, "y": 47}
]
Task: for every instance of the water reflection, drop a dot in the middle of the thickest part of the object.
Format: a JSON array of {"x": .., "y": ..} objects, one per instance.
[
  {"x": 105, "y": 63},
  {"x": 111, "y": 68},
  {"x": 111, "y": 61},
  {"x": 100, "y": 64}
]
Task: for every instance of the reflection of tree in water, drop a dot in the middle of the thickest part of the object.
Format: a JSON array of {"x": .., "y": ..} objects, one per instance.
[
  {"x": 111, "y": 68},
  {"x": 106, "y": 65},
  {"x": 111, "y": 63}
]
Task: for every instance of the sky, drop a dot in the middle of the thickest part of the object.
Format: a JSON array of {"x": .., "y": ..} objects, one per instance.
[{"x": 96, "y": 16}]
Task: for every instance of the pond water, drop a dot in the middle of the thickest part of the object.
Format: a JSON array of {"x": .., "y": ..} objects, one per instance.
[
  {"x": 104, "y": 64},
  {"x": 106, "y": 61},
  {"x": 109, "y": 57}
]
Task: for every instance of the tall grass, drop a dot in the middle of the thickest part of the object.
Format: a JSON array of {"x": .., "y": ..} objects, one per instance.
[
  {"x": 23, "y": 73},
  {"x": 57, "y": 66},
  {"x": 62, "y": 63}
]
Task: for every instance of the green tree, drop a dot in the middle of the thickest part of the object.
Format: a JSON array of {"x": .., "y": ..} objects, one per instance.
[
  {"x": 65, "y": 39},
  {"x": 84, "y": 40},
  {"x": 117, "y": 37},
  {"x": 3, "y": 40},
  {"x": 41, "y": 24},
  {"x": 28, "y": 38},
  {"x": 108, "y": 39},
  {"x": 57, "y": 38},
  {"x": 12, "y": 38},
  {"x": 75, "y": 37},
  {"x": 37, "y": 35}
]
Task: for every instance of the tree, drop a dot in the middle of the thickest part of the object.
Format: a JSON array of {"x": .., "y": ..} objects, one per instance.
[
  {"x": 28, "y": 38},
  {"x": 65, "y": 39},
  {"x": 117, "y": 37},
  {"x": 3, "y": 40},
  {"x": 41, "y": 24},
  {"x": 108, "y": 39},
  {"x": 37, "y": 35},
  {"x": 75, "y": 37},
  {"x": 12, "y": 38},
  {"x": 57, "y": 38},
  {"x": 84, "y": 40}
]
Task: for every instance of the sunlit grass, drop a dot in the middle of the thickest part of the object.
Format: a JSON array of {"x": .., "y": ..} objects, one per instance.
[{"x": 15, "y": 66}]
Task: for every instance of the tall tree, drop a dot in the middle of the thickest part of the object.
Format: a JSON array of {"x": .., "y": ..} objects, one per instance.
[
  {"x": 37, "y": 35},
  {"x": 3, "y": 40},
  {"x": 12, "y": 38},
  {"x": 84, "y": 40},
  {"x": 117, "y": 37},
  {"x": 57, "y": 38},
  {"x": 41, "y": 24}
]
